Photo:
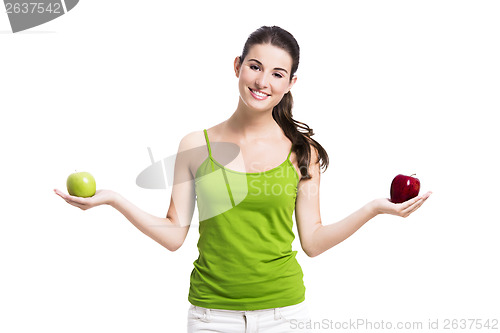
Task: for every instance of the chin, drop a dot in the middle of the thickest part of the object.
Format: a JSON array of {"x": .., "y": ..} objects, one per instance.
[{"x": 257, "y": 106}]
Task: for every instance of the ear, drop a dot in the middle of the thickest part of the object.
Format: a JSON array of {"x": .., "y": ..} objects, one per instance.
[
  {"x": 294, "y": 79},
  {"x": 237, "y": 66}
]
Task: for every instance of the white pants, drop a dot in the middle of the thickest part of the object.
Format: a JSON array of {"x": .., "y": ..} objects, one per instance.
[{"x": 286, "y": 319}]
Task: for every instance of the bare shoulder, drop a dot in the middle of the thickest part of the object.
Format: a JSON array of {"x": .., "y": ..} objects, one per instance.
[
  {"x": 197, "y": 138},
  {"x": 314, "y": 155},
  {"x": 192, "y": 150},
  {"x": 192, "y": 140},
  {"x": 314, "y": 165}
]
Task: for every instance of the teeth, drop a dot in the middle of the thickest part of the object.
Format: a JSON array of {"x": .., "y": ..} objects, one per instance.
[{"x": 258, "y": 93}]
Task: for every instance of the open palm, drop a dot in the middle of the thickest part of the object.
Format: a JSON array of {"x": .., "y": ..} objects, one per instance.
[
  {"x": 404, "y": 209},
  {"x": 100, "y": 197}
]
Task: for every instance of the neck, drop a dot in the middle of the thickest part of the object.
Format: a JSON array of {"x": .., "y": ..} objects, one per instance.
[{"x": 252, "y": 124}]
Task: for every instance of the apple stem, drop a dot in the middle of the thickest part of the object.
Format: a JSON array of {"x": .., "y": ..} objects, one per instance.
[{"x": 413, "y": 175}]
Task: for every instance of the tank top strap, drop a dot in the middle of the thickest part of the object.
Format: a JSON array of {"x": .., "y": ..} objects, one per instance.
[
  {"x": 208, "y": 143},
  {"x": 209, "y": 149},
  {"x": 288, "y": 157}
]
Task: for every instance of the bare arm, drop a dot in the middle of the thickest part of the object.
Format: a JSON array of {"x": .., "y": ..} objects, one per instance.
[
  {"x": 315, "y": 237},
  {"x": 327, "y": 236},
  {"x": 169, "y": 231},
  {"x": 164, "y": 230}
]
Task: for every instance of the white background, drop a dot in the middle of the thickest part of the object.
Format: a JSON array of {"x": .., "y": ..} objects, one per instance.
[{"x": 388, "y": 86}]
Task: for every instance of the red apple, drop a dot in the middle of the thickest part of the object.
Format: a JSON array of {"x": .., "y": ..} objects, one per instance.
[{"x": 404, "y": 188}]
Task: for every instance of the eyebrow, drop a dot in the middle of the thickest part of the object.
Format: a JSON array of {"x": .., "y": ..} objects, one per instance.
[{"x": 276, "y": 68}]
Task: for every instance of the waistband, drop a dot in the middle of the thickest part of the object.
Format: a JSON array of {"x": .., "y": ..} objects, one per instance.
[{"x": 206, "y": 312}]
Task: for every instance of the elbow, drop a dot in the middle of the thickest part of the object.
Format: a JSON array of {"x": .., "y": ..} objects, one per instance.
[
  {"x": 170, "y": 244},
  {"x": 311, "y": 252},
  {"x": 175, "y": 237},
  {"x": 310, "y": 244},
  {"x": 172, "y": 247}
]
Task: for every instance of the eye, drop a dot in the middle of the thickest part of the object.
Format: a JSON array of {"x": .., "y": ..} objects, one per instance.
[
  {"x": 254, "y": 67},
  {"x": 278, "y": 75}
]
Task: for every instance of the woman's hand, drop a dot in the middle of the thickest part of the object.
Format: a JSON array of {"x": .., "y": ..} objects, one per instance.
[
  {"x": 404, "y": 209},
  {"x": 101, "y": 197}
]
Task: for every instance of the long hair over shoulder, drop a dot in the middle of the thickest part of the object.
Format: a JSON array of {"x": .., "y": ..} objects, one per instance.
[{"x": 298, "y": 132}]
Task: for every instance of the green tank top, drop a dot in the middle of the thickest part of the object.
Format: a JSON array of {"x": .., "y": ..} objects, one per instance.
[{"x": 245, "y": 257}]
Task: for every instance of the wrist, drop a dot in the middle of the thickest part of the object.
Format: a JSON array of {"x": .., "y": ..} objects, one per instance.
[
  {"x": 373, "y": 208},
  {"x": 113, "y": 199}
]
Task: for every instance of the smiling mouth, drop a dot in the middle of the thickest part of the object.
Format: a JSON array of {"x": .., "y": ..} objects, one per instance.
[{"x": 258, "y": 94}]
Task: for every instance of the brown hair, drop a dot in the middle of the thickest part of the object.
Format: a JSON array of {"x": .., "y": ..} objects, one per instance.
[{"x": 299, "y": 133}]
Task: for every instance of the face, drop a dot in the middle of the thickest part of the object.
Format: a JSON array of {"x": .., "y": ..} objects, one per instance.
[{"x": 264, "y": 76}]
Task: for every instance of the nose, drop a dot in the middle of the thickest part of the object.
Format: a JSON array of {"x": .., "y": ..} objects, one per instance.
[{"x": 262, "y": 81}]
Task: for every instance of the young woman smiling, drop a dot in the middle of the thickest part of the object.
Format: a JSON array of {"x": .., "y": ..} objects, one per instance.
[{"x": 246, "y": 278}]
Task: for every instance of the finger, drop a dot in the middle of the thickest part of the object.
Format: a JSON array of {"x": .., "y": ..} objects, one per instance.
[
  {"x": 75, "y": 204},
  {"x": 405, "y": 205},
  {"x": 62, "y": 194},
  {"x": 413, "y": 208},
  {"x": 72, "y": 202},
  {"x": 416, "y": 205},
  {"x": 81, "y": 203},
  {"x": 427, "y": 195}
]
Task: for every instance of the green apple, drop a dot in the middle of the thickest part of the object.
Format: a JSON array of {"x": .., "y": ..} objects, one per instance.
[{"x": 81, "y": 184}]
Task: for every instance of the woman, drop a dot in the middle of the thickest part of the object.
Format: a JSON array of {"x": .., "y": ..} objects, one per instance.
[{"x": 246, "y": 278}]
